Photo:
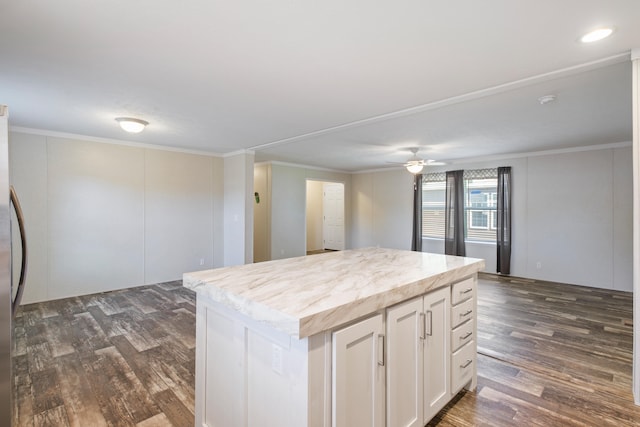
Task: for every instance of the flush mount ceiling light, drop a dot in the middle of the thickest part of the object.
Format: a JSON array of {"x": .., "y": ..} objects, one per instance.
[
  {"x": 595, "y": 35},
  {"x": 131, "y": 125}
]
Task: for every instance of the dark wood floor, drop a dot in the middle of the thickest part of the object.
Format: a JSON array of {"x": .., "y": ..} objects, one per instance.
[
  {"x": 123, "y": 358},
  {"x": 549, "y": 355}
]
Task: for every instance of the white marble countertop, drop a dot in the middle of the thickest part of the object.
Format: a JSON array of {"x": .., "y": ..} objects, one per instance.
[{"x": 307, "y": 295}]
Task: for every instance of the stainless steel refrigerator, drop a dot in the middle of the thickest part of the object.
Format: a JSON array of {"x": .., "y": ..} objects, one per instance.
[{"x": 11, "y": 282}]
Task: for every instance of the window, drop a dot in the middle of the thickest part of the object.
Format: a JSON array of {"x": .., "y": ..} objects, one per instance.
[
  {"x": 480, "y": 188},
  {"x": 433, "y": 206}
]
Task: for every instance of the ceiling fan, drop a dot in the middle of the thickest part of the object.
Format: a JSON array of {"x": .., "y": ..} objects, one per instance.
[{"x": 415, "y": 164}]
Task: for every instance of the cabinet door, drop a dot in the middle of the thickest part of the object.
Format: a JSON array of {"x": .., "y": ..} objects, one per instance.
[
  {"x": 436, "y": 352},
  {"x": 404, "y": 364},
  {"x": 358, "y": 374}
]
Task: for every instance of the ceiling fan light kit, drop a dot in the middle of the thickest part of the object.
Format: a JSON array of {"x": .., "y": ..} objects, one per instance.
[{"x": 414, "y": 166}]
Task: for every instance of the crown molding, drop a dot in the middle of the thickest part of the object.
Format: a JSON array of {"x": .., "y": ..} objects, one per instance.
[
  {"x": 440, "y": 168},
  {"x": 87, "y": 138},
  {"x": 301, "y": 166},
  {"x": 543, "y": 153},
  {"x": 539, "y": 78},
  {"x": 239, "y": 152}
]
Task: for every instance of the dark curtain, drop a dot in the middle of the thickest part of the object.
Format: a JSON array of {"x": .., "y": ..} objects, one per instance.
[
  {"x": 416, "y": 239},
  {"x": 454, "y": 214},
  {"x": 503, "y": 237}
]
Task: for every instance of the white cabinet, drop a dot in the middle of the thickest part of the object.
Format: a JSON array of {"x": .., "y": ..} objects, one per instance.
[
  {"x": 405, "y": 364},
  {"x": 418, "y": 359},
  {"x": 358, "y": 374},
  {"x": 463, "y": 335},
  {"x": 436, "y": 351}
]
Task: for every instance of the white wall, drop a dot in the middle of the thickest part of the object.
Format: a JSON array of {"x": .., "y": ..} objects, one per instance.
[
  {"x": 288, "y": 200},
  {"x": 314, "y": 205},
  {"x": 572, "y": 214},
  {"x": 570, "y": 223},
  {"x": 105, "y": 216}
]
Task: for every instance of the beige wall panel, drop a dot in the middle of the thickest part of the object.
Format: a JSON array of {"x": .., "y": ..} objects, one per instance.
[
  {"x": 28, "y": 168},
  {"x": 261, "y": 213},
  {"x": 238, "y": 209},
  {"x": 314, "y": 216},
  {"x": 623, "y": 219},
  {"x": 218, "y": 211},
  {"x": 362, "y": 206},
  {"x": 178, "y": 214}
]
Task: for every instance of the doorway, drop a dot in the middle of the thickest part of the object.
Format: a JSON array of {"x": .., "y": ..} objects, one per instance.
[{"x": 325, "y": 216}]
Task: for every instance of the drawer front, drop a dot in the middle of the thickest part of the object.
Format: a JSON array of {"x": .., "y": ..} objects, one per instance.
[
  {"x": 462, "y": 335},
  {"x": 462, "y": 312},
  {"x": 463, "y": 290},
  {"x": 463, "y": 366}
]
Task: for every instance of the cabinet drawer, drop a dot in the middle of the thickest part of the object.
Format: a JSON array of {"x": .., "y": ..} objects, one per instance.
[
  {"x": 462, "y": 335},
  {"x": 462, "y": 312},
  {"x": 462, "y": 366},
  {"x": 462, "y": 290}
]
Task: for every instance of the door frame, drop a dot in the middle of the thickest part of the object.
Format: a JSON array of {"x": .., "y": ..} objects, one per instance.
[{"x": 344, "y": 207}]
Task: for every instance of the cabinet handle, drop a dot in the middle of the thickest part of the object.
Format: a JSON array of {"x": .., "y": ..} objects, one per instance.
[
  {"x": 467, "y": 335},
  {"x": 467, "y": 363},
  {"x": 466, "y": 313},
  {"x": 380, "y": 349},
  {"x": 423, "y": 326},
  {"x": 466, "y": 291},
  {"x": 430, "y": 316}
]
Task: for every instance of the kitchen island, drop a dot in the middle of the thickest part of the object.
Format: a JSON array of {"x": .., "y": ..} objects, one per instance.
[{"x": 361, "y": 337}]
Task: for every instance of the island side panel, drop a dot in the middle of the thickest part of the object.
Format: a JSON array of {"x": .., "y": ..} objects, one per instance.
[
  {"x": 250, "y": 374},
  {"x": 220, "y": 366}
]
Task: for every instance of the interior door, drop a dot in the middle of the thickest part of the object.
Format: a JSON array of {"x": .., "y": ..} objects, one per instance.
[{"x": 333, "y": 216}]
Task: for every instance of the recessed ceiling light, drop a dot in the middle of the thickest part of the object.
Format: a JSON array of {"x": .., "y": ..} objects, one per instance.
[
  {"x": 546, "y": 99},
  {"x": 132, "y": 125},
  {"x": 595, "y": 35}
]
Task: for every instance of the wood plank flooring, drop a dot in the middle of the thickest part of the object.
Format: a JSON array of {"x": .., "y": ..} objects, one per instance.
[
  {"x": 123, "y": 358},
  {"x": 549, "y": 355}
]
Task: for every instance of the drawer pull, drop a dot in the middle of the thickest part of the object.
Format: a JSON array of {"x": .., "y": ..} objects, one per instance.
[
  {"x": 430, "y": 317},
  {"x": 466, "y": 291},
  {"x": 467, "y": 335},
  {"x": 467, "y": 363},
  {"x": 423, "y": 326},
  {"x": 466, "y": 313}
]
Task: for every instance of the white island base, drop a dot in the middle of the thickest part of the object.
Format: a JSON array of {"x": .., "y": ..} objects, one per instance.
[{"x": 407, "y": 349}]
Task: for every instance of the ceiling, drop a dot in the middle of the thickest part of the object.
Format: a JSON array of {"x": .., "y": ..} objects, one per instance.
[{"x": 347, "y": 85}]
